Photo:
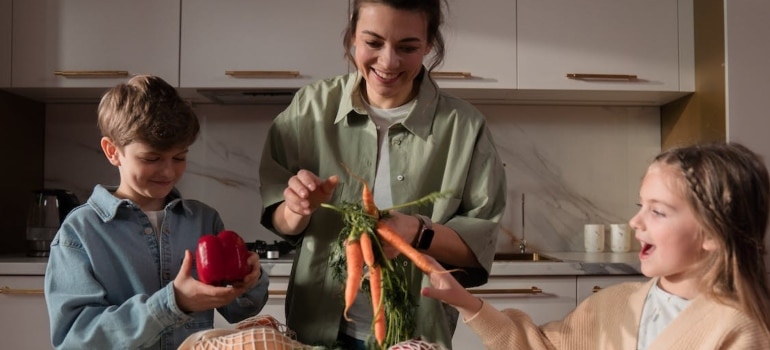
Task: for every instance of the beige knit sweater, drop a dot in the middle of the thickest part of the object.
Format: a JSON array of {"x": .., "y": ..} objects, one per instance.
[{"x": 610, "y": 318}]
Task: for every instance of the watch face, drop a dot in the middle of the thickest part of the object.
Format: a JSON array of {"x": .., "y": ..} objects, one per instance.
[{"x": 426, "y": 239}]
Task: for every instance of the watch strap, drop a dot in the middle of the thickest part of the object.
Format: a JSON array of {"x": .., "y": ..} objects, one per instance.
[{"x": 425, "y": 234}]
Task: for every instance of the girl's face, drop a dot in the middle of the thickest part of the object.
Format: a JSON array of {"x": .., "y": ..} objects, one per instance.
[
  {"x": 389, "y": 47},
  {"x": 668, "y": 232},
  {"x": 147, "y": 176}
]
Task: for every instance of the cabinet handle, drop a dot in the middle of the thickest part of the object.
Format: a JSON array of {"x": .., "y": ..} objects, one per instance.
[
  {"x": 595, "y": 289},
  {"x": 91, "y": 73},
  {"x": 276, "y": 292},
  {"x": 13, "y": 291},
  {"x": 583, "y": 76},
  {"x": 262, "y": 73},
  {"x": 532, "y": 290},
  {"x": 451, "y": 75}
]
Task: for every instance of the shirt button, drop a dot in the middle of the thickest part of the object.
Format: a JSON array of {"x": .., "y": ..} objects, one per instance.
[
  {"x": 400, "y": 177},
  {"x": 148, "y": 231},
  {"x": 378, "y": 127},
  {"x": 398, "y": 142}
]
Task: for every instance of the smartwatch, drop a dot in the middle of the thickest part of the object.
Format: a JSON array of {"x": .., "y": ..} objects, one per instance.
[{"x": 425, "y": 234}]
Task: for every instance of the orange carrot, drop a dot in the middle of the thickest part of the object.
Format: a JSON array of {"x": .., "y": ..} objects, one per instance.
[
  {"x": 367, "y": 198},
  {"x": 375, "y": 284},
  {"x": 392, "y": 237},
  {"x": 355, "y": 268},
  {"x": 366, "y": 249}
]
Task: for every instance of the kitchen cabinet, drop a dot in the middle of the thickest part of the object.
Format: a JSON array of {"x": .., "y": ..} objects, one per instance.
[
  {"x": 253, "y": 44},
  {"x": 587, "y": 285},
  {"x": 543, "y": 298},
  {"x": 5, "y": 43},
  {"x": 93, "y": 43},
  {"x": 24, "y": 317},
  {"x": 275, "y": 303},
  {"x": 481, "y": 45},
  {"x": 605, "y": 42}
]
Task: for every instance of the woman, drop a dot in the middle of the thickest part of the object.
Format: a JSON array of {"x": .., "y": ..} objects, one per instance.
[{"x": 388, "y": 124}]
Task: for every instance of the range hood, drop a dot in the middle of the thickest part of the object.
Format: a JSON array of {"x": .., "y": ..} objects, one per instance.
[{"x": 248, "y": 96}]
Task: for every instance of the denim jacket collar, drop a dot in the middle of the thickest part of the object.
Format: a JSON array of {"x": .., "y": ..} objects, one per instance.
[{"x": 107, "y": 205}]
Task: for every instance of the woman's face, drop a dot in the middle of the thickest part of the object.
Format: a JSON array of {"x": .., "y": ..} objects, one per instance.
[
  {"x": 389, "y": 47},
  {"x": 667, "y": 230}
]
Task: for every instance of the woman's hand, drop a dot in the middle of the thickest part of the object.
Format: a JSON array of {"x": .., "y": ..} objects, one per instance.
[
  {"x": 405, "y": 225},
  {"x": 444, "y": 287},
  {"x": 306, "y": 191},
  {"x": 303, "y": 195}
]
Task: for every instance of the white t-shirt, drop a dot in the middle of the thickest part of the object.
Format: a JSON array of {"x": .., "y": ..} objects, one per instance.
[{"x": 361, "y": 311}]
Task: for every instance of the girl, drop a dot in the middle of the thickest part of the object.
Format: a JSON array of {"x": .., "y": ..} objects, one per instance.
[{"x": 701, "y": 225}]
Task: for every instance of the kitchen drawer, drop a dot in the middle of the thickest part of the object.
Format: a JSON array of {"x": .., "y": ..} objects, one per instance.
[
  {"x": 543, "y": 298},
  {"x": 24, "y": 317}
]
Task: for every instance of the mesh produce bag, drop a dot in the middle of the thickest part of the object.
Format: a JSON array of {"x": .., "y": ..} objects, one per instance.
[{"x": 261, "y": 332}]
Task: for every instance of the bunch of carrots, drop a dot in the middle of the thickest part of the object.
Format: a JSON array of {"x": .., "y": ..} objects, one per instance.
[{"x": 359, "y": 243}]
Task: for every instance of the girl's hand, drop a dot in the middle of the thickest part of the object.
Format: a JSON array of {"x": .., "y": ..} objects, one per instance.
[{"x": 444, "y": 287}]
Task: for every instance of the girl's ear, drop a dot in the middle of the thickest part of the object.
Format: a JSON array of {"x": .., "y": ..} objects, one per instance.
[
  {"x": 710, "y": 244},
  {"x": 110, "y": 151}
]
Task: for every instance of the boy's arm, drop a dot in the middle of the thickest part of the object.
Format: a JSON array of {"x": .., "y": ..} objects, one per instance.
[
  {"x": 80, "y": 315},
  {"x": 249, "y": 304}
]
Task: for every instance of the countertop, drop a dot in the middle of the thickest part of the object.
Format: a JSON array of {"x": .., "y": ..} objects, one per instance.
[{"x": 571, "y": 263}]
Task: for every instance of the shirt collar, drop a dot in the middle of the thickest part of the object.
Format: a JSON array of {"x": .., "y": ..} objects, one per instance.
[
  {"x": 419, "y": 120},
  {"x": 107, "y": 205}
]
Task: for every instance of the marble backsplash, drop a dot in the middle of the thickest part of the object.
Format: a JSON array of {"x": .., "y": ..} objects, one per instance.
[{"x": 574, "y": 164}]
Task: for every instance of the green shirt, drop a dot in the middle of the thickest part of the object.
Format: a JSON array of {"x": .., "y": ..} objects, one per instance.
[{"x": 442, "y": 145}]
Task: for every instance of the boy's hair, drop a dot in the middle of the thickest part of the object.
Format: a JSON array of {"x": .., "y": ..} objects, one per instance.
[
  {"x": 147, "y": 109},
  {"x": 727, "y": 187}
]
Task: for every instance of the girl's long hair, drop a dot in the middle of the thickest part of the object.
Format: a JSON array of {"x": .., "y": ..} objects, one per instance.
[{"x": 728, "y": 188}]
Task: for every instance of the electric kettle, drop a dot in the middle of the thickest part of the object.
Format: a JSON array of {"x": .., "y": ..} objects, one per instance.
[{"x": 46, "y": 212}]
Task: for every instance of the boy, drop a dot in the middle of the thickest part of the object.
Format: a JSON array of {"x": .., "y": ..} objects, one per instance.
[{"x": 120, "y": 272}]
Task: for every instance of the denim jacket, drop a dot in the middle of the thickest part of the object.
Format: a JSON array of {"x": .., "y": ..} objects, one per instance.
[{"x": 108, "y": 283}]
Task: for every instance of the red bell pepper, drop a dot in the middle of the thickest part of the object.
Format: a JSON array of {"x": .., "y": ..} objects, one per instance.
[{"x": 222, "y": 259}]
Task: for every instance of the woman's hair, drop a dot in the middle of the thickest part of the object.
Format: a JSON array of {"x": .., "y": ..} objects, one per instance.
[
  {"x": 727, "y": 187},
  {"x": 431, "y": 9},
  {"x": 149, "y": 110}
]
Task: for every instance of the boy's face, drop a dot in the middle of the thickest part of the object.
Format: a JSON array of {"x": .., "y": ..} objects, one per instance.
[{"x": 147, "y": 176}]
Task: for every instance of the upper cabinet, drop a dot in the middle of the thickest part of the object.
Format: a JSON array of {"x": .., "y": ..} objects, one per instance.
[
  {"x": 275, "y": 44},
  {"x": 5, "y": 43},
  {"x": 480, "y": 45},
  {"x": 605, "y": 45},
  {"x": 93, "y": 43}
]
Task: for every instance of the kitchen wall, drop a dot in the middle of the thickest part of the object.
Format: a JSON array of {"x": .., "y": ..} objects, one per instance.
[
  {"x": 21, "y": 151},
  {"x": 576, "y": 164}
]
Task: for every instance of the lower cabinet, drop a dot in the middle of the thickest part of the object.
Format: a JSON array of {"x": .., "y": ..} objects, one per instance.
[
  {"x": 543, "y": 298},
  {"x": 23, "y": 313}
]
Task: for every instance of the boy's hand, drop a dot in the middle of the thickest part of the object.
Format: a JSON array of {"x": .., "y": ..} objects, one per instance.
[
  {"x": 192, "y": 295},
  {"x": 251, "y": 280}
]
